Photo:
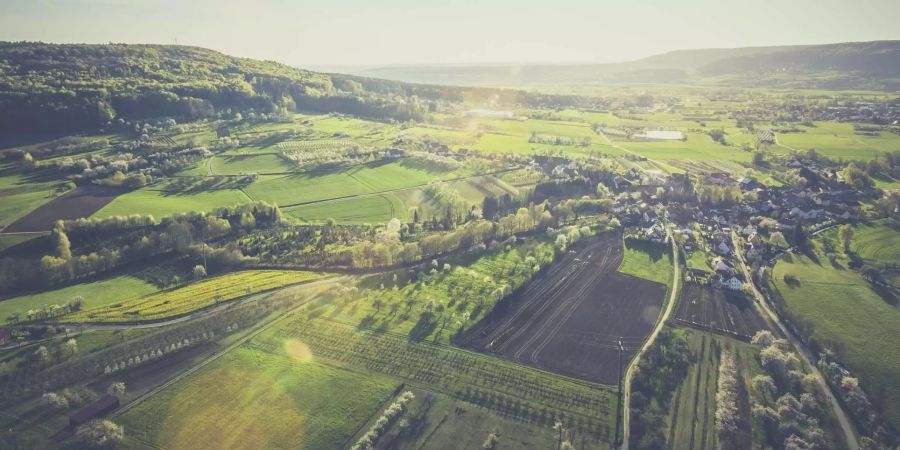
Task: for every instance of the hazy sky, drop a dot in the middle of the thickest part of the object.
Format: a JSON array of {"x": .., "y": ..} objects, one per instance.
[{"x": 379, "y": 32}]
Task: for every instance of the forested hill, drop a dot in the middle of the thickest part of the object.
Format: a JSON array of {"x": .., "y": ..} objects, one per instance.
[
  {"x": 869, "y": 65},
  {"x": 52, "y": 87}
]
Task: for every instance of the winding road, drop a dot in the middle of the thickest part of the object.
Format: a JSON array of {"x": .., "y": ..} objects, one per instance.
[
  {"x": 629, "y": 373},
  {"x": 763, "y": 308}
]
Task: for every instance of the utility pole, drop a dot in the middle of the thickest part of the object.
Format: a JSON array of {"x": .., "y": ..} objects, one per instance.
[{"x": 619, "y": 404}]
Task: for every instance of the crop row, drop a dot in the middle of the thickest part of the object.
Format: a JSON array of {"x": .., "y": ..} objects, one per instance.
[
  {"x": 195, "y": 295},
  {"x": 521, "y": 392}
]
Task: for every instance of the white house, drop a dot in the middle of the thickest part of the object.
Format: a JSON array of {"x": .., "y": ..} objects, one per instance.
[{"x": 733, "y": 283}]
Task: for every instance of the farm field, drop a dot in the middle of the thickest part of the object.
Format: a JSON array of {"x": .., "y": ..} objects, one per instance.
[
  {"x": 573, "y": 318},
  {"x": 648, "y": 261},
  {"x": 159, "y": 203},
  {"x": 95, "y": 294},
  {"x": 80, "y": 202},
  {"x": 846, "y": 315},
  {"x": 438, "y": 303},
  {"x": 719, "y": 310},
  {"x": 270, "y": 399},
  {"x": 838, "y": 140},
  {"x": 516, "y": 392},
  {"x": 234, "y": 163},
  {"x": 441, "y": 421},
  {"x": 697, "y": 147},
  {"x": 691, "y": 419},
  {"x": 15, "y": 206},
  {"x": 877, "y": 242},
  {"x": 193, "y": 296},
  {"x": 359, "y": 210}
]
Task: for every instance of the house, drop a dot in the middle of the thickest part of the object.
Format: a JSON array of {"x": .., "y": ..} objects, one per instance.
[
  {"x": 723, "y": 248},
  {"x": 733, "y": 284},
  {"x": 395, "y": 153},
  {"x": 94, "y": 410}
]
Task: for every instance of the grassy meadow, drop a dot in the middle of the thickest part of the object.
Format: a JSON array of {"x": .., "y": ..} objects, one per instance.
[
  {"x": 846, "y": 315},
  {"x": 252, "y": 398}
]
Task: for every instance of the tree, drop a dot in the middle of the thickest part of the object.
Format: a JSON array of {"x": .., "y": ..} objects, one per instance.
[
  {"x": 199, "y": 272},
  {"x": 846, "y": 233},
  {"x": 777, "y": 239},
  {"x": 54, "y": 401},
  {"x": 377, "y": 303},
  {"x": 116, "y": 388},
  {"x": 71, "y": 347},
  {"x": 99, "y": 434},
  {"x": 759, "y": 159},
  {"x": 41, "y": 356}
]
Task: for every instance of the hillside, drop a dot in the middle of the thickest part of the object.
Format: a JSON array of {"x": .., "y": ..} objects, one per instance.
[
  {"x": 846, "y": 65},
  {"x": 74, "y": 87}
]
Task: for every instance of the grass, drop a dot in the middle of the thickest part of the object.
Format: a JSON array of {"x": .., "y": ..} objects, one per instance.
[
  {"x": 517, "y": 392},
  {"x": 879, "y": 241},
  {"x": 260, "y": 399},
  {"x": 160, "y": 204},
  {"x": 838, "y": 140},
  {"x": 95, "y": 294},
  {"x": 697, "y": 147},
  {"x": 459, "y": 297},
  {"x": 370, "y": 209},
  {"x": 193, "y": 296},
  {"x": 648, "y": 261},
  {"x": 10, "y": 240},
  {"x": 447, "y": 422},
  {"x": 13, "y": 207},
  {"x": 237, "y": 162},
  {"x": 845, "y": 314},
  {"x": 692, "y": 409}
]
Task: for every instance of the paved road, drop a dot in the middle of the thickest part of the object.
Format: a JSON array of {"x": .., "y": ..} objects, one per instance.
[
  {"x": 763, "y": 307},
  {"x": 629, "y": 373}
]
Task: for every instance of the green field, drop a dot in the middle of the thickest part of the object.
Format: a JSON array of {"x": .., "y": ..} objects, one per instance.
[
  {"x": 878, "y": 241},
  {"x": 239, "y": 162},
  {"x": 158, "y": 203},
  {"x": 193, "y": 296},
  {"x": 457, "y": 298},
  {"x": 16, "y": 206},
  {"x": 250, "y": 398},
  {"x": 647, "y": 261},
  {"x": 373, "y": 209},
  {"x": 516, "y": 392},
  {"x": 691, "y": 420},
  {"x": 838, "y": 140},
  {"x": 95, "y": 294},
  {"x": 845, "y": 314}
]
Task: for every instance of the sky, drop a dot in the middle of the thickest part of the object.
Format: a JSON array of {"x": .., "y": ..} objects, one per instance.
[{"x": 355, "y": 33}]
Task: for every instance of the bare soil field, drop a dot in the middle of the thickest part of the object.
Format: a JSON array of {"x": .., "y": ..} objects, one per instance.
[
  {"x": 80, "y": 202},
  {"x": 726, "y": 312},
  {"x": 575, "y": 318}
]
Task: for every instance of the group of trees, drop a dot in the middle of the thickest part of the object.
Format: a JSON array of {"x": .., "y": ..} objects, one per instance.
[
  {"x": 660, "y": 371},
  {"x": 128, "y": 239},
  {"x": 393, "y": 412},
  {"x": 790, "y": 413}
]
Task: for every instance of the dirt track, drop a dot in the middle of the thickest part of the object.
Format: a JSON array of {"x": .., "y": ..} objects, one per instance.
[
  {"x": 571, "y": 318},
  {"x": 81, "y": 202}
]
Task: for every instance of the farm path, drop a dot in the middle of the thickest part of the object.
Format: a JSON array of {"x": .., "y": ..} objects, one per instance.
[
  {"x": 629, "y": 373},
  {"x": 804, "y": 352},
  {"x": 250, "y": 335}
]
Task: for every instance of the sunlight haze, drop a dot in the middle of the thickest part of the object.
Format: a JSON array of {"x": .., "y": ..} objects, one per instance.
[{"x": 357, "y": 33}]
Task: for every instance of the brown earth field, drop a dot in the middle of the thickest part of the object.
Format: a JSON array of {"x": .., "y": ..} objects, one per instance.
[
  {"x": 80, "y": 202},
  {"x": 576, "y": 317},
  {"x": 719, "y": 310}
]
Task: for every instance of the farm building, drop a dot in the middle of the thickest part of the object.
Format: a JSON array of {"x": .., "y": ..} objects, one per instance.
[{"x": 94, "y": 410}]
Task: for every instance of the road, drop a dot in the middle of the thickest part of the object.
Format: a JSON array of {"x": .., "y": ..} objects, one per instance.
[
  {"x": 763, "y": 308},
  {"x": 629, "y": 373}
]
